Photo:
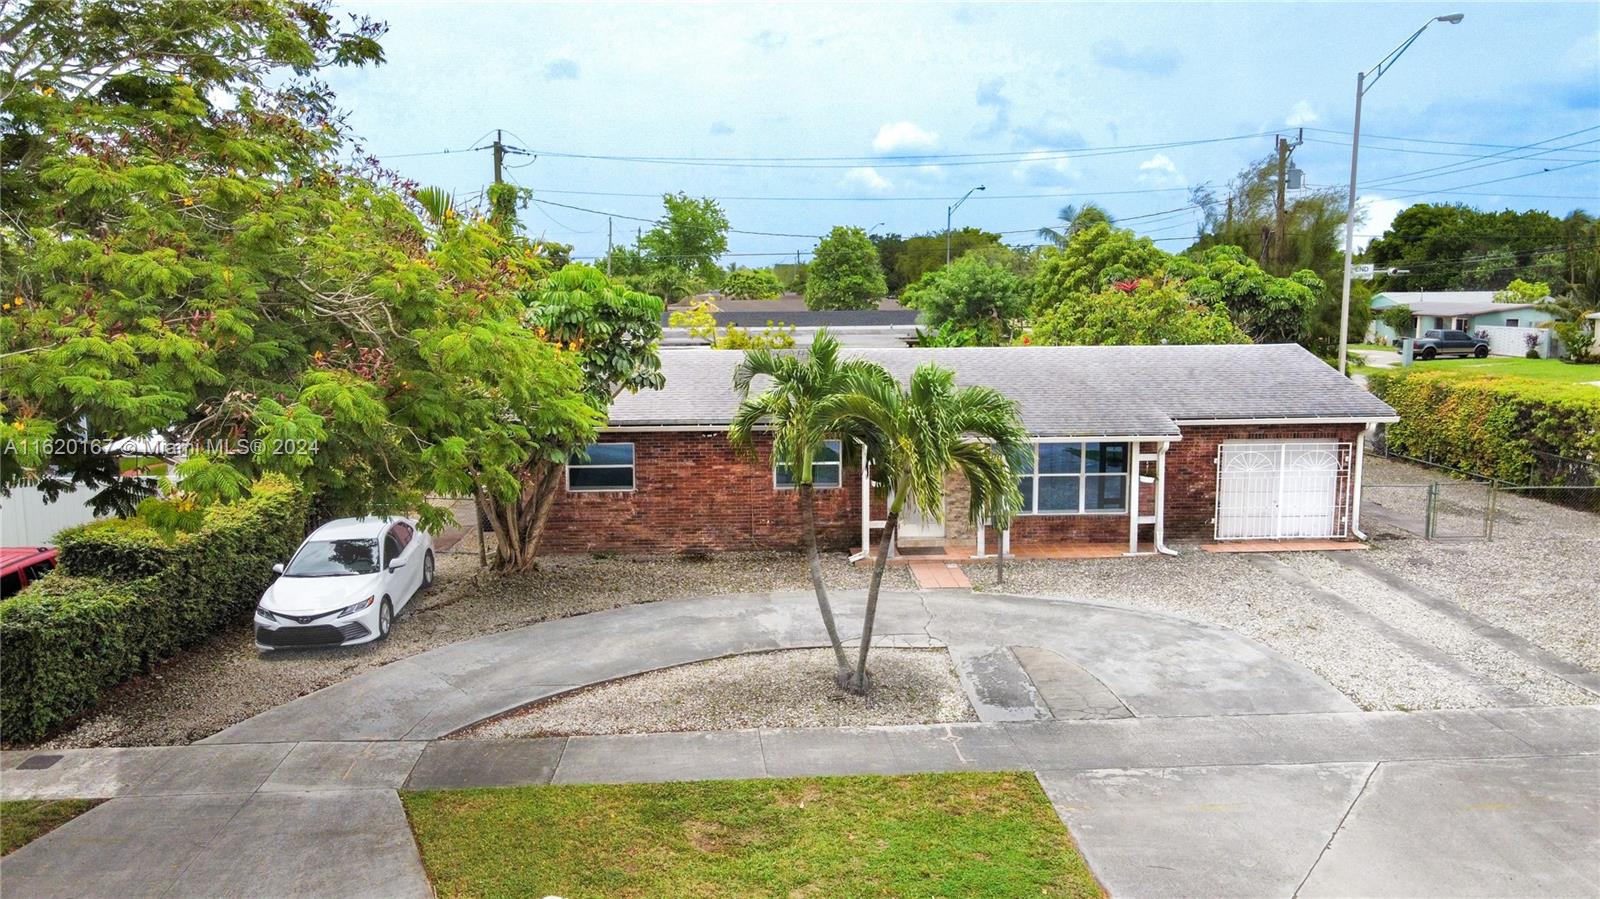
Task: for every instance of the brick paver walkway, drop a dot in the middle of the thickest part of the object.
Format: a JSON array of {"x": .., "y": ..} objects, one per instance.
[{"x": 933, "y": 575}]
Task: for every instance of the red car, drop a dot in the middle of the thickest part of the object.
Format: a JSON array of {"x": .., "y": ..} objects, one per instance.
[{"x": 22, "y": 565}]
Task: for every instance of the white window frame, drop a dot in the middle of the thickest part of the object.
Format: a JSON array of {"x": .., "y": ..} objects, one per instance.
[
  {"x": 1083, "y": 475},
  {"x": 838, "y": 463},
  {"x": 633, "y": 474}
]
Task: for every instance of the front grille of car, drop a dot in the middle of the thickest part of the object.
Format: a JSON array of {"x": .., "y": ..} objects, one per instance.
[
  {"x": 320, "y": 635},
  {"x": 355, "y": 630}
]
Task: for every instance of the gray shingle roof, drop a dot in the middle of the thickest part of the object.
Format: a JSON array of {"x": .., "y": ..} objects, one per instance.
[{"x": 1127, "y": 391}]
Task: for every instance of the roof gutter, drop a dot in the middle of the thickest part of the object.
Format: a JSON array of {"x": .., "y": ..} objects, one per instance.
[{"x": 1364, "y": 420}]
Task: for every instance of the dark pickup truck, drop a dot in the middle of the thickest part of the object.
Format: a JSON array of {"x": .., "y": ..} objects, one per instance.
[{"x": 1444, "y": 343}]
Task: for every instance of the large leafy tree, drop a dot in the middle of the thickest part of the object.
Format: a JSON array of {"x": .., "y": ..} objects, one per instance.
[
  {"x": 612, "y": 336},
  {"x": 1146, "y": 311},
  {"x": 844, "y": 272},
  {"x": 184, "y": 257},
  {"x": 1455, "y": 247},
  {"x": 971, "y": 295},
  {"x": 1269, "y": 309},
  {"x": 792, "y": 408},
  {"x": 689, "y": 237},
  {"x": 918, "y": 435},
  {"x": 926, "y": 252},
  {"x": 1093, "y": 259},
  {"x": 1074, "y": 219},
  {"x": 751, "y": 284}
]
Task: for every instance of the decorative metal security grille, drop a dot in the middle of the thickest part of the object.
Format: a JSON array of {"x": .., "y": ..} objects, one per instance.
[{"x": 1283, "y": 489}]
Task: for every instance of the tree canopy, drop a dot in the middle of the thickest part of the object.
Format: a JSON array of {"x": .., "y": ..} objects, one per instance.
[
  {"x": 1451, "y": 246},
  {"x": 751, "y": 284},
  {"x": 188, "y": 264},
  {"x": 984, "y": 300},
  {"x": 690, "y": 236},
  {"x": 844, "y": 272}
]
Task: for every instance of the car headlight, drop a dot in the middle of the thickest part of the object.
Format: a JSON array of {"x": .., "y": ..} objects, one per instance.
[
  {"x": 356, "y": 607},
  {"x": 262, "y": 612}
]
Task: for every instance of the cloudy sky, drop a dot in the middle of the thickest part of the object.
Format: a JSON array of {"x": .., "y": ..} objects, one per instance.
[{"x": 803, "y": 116}]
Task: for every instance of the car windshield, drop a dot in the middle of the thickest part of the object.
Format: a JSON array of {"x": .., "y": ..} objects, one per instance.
[{"x": 334, "y": 558}]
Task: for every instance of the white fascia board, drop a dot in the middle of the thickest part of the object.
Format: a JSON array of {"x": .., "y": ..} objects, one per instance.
[{"x": 1202, "y": 422}]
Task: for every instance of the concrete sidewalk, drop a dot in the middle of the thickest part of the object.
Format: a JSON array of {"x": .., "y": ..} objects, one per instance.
[{"x": 1385, "y": 803}]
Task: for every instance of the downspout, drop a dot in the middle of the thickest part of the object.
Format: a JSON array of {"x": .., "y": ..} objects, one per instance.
[
  {"x": 866, "y": 507},
  {"x": 1160, "y": 535},
  {"x": 1355, "y": 486}
]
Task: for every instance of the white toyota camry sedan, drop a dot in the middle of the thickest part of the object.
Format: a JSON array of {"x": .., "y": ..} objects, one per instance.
[{"x": 345, "y": 584}]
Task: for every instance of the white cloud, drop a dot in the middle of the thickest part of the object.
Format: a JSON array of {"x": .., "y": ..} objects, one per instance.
[
  {"x": 867, "y": 177},
  {"x": 1302, "y": 114},
  {"x": 1158, "y": 163},
  {"x": 903, "y": 136},
  {"x": 1159, "y": 169}
]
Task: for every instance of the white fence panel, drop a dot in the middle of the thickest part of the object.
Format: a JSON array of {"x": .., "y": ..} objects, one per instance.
[
  {"x": 27, "y": 520},
  {"x": 1508, "y": 341}
]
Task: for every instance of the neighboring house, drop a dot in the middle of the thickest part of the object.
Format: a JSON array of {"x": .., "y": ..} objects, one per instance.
[
  {"x": 889, "y": 325},
  {"x": 1472, "y": 311},
  {"x": 1132, "y": 445}
]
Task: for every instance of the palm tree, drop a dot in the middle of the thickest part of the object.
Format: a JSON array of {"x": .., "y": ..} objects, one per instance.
[
  {"x": 1074, "y": 219},
  {"x": 789, "y": 409},
  {"x": 916, "y": 436}
]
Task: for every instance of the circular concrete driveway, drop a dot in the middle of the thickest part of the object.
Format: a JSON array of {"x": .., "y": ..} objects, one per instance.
[{"x": 1156, "y": 665}]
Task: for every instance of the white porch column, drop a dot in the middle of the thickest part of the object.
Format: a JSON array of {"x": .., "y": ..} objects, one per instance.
[
  {"x": 1133, "y": 499},
  {"x": 866, "y": 503},
  {"x": 1161, "y": 499}
]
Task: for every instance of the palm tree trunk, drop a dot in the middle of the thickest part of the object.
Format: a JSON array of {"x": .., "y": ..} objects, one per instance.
[
  {"x": 808, "y": 517},
  {"x": 859, "y": 682}
]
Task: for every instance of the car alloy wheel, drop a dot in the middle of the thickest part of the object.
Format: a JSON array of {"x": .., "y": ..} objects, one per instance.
[
  {"x": 385, "y": 618},
  {"x": 1429, "y": 353},
  {"x": 1481, "y": 352},
  {"x": 427, "y": 570}
]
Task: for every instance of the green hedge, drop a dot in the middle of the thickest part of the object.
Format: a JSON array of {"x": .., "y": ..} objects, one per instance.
[
  {"x": 125, "y": 598},
  {"x": 1495, "y": 426}
]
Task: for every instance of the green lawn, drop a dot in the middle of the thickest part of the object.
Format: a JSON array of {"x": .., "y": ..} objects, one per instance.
[
  {"x": 1540, "y": 369},
  {"x": 967, "y": 834},
  {"x": 24, "y": 820}
]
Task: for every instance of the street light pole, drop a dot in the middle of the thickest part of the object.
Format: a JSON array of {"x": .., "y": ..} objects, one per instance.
[
  {"x": 1362, "y": 86},
  {"x": 949, "y": 213}
]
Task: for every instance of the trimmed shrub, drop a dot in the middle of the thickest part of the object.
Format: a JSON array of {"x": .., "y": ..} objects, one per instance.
[
  {"x": 124, "y": 598},
  {"x": 1495, "y": 426}
]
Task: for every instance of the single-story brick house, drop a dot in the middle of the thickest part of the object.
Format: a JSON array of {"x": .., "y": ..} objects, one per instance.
[{"x": 1133, "y": 445}]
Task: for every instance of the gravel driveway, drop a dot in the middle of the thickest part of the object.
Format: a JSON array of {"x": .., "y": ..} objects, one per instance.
[
  {"x": 1539, "y": 578},
  {"x": 224, "y": 680}
]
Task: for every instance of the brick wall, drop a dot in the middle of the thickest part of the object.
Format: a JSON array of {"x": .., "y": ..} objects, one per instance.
[
  {"x": 1192, "y": 471},
  {"x": 692, "y": 492}
]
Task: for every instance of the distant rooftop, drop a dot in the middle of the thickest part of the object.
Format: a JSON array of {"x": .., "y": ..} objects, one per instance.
[
  {"x": 790, "y": 309},
  {"x": 1451, "y": 302}
]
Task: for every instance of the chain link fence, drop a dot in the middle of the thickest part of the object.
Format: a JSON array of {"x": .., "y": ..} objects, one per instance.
[{"x": 1465, "y": 505}]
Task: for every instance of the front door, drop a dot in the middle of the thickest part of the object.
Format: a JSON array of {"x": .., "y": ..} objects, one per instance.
[{"x": 916, "y": 524}]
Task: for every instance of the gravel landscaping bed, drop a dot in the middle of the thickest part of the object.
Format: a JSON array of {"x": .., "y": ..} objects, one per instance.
[
  {"x": 783, "y": 688},
  {"x": 224, "y": 680}
]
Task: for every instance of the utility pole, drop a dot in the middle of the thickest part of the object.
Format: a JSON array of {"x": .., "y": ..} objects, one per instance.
[
  {"x": 608, "y": 246},
  {"x": 1279, "y": 233},
  {"x": 1227, "y": 229},
  {"x": 499, "y": 156}
]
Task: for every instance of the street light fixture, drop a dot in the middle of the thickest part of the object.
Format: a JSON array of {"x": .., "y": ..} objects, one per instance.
[
  {"x": 948, "y": 214},
  {"x": 876, "y": 227},
  {"x": 1364, "y": 82}
]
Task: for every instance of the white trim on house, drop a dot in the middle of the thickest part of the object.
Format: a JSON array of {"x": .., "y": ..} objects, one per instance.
[
  {"x": 1203, "y": 422},
  {"x": 632, "y": 467}
]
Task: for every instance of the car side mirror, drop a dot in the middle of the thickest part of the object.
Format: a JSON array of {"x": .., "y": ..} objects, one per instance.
[
  {"x": 396, "y": 565},
  {"x": 277, "y": 568}
]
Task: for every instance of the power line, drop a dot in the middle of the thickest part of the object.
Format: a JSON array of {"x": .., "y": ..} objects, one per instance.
[
  {"x": 1498, "y": 180},
  {"x": 635, "y": 218},
  {"x": 1451, "y": 168}
]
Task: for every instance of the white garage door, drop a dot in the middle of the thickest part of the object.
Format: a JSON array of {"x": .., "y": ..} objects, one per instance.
[{"x": 1296, "y": 488}]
